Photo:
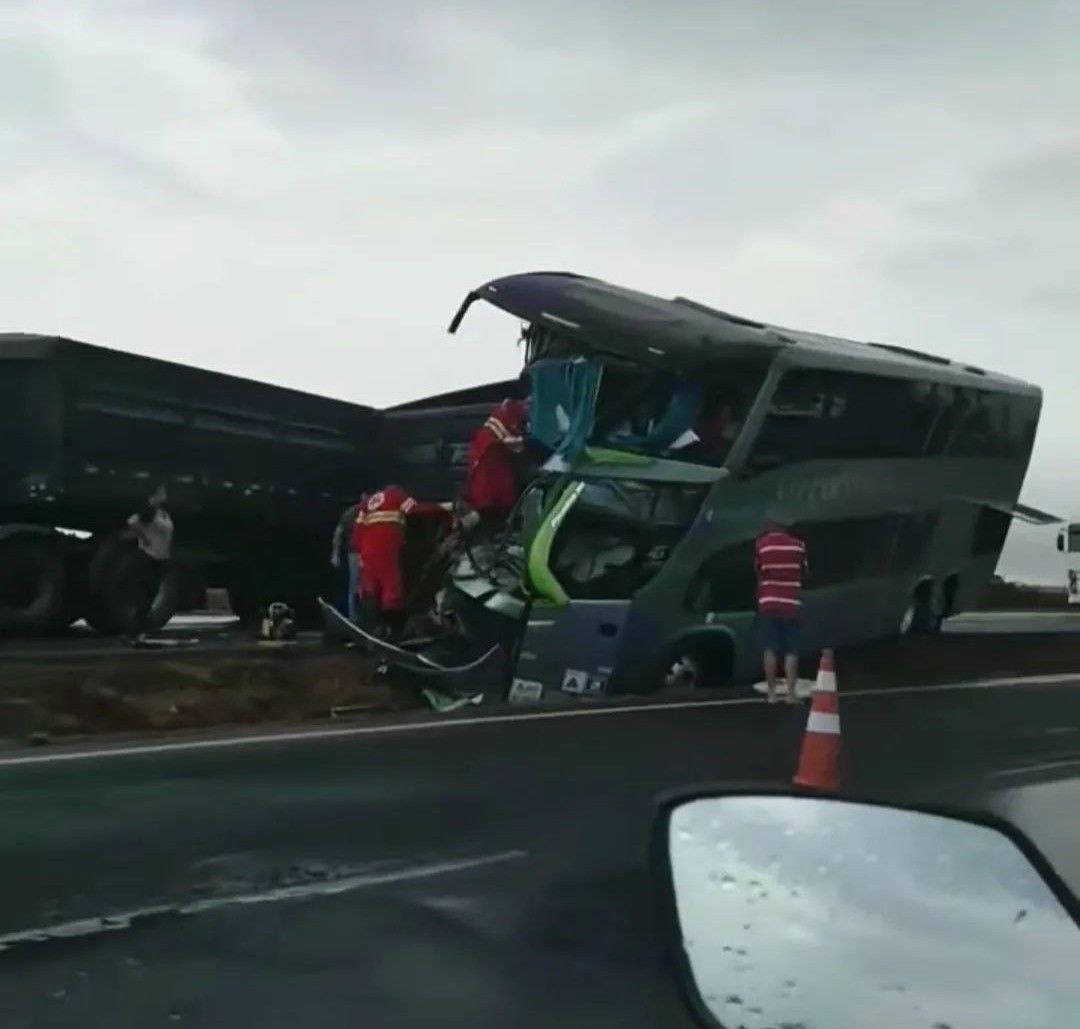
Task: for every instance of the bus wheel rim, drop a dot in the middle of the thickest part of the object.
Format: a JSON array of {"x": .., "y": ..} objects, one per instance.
[{"x": 907, "y": 620}]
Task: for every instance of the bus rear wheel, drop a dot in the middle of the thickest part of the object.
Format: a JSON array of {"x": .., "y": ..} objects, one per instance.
[{"x": 920, "y": 618}]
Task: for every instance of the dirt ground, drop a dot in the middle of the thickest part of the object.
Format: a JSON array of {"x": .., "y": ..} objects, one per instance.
[
  {"x": 40, "y": 702},
  {"x": 194, "y": 691}
]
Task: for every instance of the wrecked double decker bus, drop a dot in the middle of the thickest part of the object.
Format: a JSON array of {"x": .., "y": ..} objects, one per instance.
[{"x": 667, "y": 432}]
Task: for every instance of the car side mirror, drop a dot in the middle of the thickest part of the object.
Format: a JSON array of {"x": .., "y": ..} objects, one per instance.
[{"x": 789, "y": 909}]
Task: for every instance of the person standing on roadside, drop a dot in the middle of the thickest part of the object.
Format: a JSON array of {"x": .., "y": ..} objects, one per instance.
[
  {"x": 780, "y": 562},
  {"x": 344, "y": 555},
  {"x": 152, "y": 528}
]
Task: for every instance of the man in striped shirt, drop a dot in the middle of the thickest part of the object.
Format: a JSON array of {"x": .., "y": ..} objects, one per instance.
[{"x": 780, "y": 560}]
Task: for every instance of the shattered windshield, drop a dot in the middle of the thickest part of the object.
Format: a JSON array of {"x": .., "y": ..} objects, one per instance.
[
  {"x": 579, "y": 401},
  {"x": 617, "y": 536}
]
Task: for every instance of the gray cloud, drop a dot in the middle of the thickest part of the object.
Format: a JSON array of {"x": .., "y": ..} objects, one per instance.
[{"x": 303, "y": 192}]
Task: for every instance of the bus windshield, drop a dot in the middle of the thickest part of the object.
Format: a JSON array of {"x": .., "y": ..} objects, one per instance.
[{"x": 641, "y": 410}]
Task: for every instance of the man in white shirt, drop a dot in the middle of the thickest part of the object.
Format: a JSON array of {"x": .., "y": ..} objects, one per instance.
[{"x": 153, "y": 531}]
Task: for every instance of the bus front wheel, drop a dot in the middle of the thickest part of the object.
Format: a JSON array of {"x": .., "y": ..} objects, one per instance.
[{"x": 696, "y": 664}]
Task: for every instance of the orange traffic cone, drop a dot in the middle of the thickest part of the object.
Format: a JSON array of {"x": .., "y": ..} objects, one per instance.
[{"x": 819, "y": 760}]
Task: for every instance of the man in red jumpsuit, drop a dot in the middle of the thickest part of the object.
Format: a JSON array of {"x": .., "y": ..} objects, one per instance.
[
  {"x": 491, "y": 487},
  {"x": 379, "y": 538}
]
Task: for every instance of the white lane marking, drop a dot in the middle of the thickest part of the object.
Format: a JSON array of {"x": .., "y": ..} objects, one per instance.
[
  {"x": 1046, "y": 766},
  {"x": 325, "y": 888},
  {"x": 220, "y": 743}
]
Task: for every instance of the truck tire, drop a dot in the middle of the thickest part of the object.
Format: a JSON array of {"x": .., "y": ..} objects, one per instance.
[
  {"x": 169, "y": 596},
  {"x": 32, "y": 584},
  {"x": 112, "y": 603}
]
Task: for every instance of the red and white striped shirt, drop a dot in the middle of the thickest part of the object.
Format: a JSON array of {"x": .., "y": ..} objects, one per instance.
[{"x": 780, "y": 559}]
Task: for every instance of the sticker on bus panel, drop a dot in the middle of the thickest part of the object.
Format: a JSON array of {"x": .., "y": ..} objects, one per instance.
[
  {"x": 525, "y": 691},
  {"x": 575, "y": 680}
]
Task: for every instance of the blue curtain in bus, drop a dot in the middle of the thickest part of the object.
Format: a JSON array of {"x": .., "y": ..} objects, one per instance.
[{"x": 563, "y": 403}]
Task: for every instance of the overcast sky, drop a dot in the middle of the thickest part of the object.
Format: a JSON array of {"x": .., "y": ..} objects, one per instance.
[{"x": 302, "y": 190}]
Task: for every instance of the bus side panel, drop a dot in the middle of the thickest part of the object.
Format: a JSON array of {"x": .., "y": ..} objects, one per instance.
[{"x": 875, "y": 531}]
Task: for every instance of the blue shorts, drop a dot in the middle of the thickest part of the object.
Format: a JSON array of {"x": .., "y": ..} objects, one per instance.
[{"x": 780, "y": 635}]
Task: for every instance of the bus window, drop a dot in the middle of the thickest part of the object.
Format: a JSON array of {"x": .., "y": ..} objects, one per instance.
[
  {"x": 726, "y": 581},
  {"x": 912, "y": 543},
  {"x": 993, "y": 424},
  {"x": 684, "y": 418},
  {"x": 991, "y": 528},
  {"x": 845, "y": 549},
  {"x": 819, "y": 415}
]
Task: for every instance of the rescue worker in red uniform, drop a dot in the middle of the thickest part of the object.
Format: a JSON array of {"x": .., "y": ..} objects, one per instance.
[
  {"x": 379, "y": 539},
  {"x": 491, "y": 485}
]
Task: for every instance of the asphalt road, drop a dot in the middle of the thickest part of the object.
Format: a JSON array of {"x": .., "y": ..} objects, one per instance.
[
  {"x": 480, "y": 874},
  {"x": 1006, "y": 623}
]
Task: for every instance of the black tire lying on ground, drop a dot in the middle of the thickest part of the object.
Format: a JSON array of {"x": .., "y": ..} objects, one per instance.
[{"x": 32, "y": 583}]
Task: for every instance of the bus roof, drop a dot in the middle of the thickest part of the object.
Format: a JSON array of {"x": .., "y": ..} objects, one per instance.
[{"x": 688, "y": 336}]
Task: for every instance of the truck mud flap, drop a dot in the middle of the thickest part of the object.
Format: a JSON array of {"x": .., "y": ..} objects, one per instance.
[{"x": 340, "y": 626}]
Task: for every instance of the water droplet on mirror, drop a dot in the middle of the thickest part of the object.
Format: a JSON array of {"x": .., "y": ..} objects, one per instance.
[
  {"x": 789, "y": 983},
  {"x": 685, "y": 834},
  {"x": 754, "y": 1011},
  {"x": 727, "y": 882},
  {"x": 727, "y": 950},
  {"x": 789, "y": 831},
  {"x": 740, "y": 952},
  {"x": 733, "y": 999},
  {"x": 822, "y": 869}
]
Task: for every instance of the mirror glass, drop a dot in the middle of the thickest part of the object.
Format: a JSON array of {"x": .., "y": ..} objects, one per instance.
[{"x": 803, "y": 911}]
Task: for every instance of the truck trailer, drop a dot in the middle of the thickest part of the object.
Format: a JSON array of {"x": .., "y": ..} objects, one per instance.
[{"x": 256, "y": 475}]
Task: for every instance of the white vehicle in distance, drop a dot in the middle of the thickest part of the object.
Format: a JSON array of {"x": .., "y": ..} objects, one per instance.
[{"x": 1068, "y": 542}]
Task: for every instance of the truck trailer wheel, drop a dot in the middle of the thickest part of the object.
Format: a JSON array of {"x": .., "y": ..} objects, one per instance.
[
  {"x": 112, "y": 606},
  {"x": 32, "y": 583}
]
